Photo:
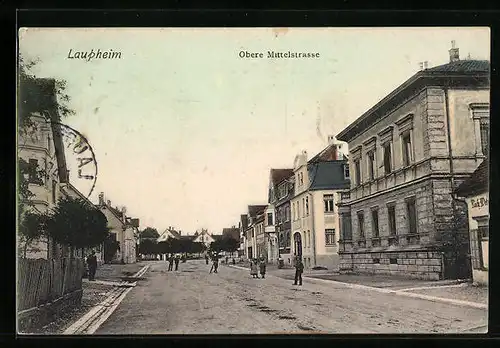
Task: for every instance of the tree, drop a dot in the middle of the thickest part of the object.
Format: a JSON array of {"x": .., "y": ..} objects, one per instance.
[
  {"x": 32, "y": 227},
  {"x": 77, "y": 224},
  {"x": 148, "y": 247},
  {"x": 34, "y": 97},
  {"x": 111, "y": 246},
  {"x": 150, "y": 232}
]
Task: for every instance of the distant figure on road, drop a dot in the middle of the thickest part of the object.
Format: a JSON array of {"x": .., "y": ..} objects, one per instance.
[
  {"x": 299, "y": 268},
  {"x": 215, "y": 263},
  {"x": 227, "y": 260},
  {"x": 170, "y": 262},
  {"x": 177, "y": 259},
  {"x": 206, "y": 259},
  {"x": 254, "y": 271},
  {"x": 92, "y": 265},
  {"x": 262, "y": 266},
  {"x": 234, "y": 261}
]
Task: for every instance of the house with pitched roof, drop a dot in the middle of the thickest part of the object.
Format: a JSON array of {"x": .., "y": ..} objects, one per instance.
[
  {"x": 315, "y": 219},
  {"x": 407, "y": 154},
  {"x": 475, "y": 190},
  {"x": 254, "y": 232},
  {"x": 41, "y": 146},
  {"x": 122, "y": 228},
  {"x": 203, "y": 237},
  {"x": 242, "y": 225},
  {"x": 284, "y": 193}
]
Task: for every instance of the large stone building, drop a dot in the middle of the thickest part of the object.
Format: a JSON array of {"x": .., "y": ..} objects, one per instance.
[
  {"x": 406, "y": 155},
  {"x": 315, "y": 230},
  {"x": 41, "y": 146}
]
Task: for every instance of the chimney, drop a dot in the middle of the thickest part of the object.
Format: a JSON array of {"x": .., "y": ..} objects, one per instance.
[
  {"x": 331, "y": 139},
  {"x": 108, "y": 202},
  {"x": 421, "y": 64},
  {"x": 101, "y": 198},
  {"x": 426, "y": 64},
  {"x": 454, "y": 56}
]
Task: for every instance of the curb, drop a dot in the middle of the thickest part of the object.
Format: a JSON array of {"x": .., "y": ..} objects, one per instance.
[
  {"x": 93, "y": 319},
  {"x": 395, "y": 292}
]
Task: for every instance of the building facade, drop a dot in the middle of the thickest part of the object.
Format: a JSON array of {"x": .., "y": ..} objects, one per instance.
[
  {"x": 284, "y": 193},
  {"x": 475, "y": 190},
  {"x": 243, "y": 225},
  {"x": 41, "y": 146},
  {"x": 315, "y": 220},
  {"x": 255, "y": 231},
  {"x": 123, "y": 229},
  {"x": 406, "y": 155}
]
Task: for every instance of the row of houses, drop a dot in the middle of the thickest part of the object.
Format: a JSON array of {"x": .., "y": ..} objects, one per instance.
[
  {"x": 410, "y": 197},
  {"x": 42, "y": 147},
  {"x": 300, "y": 217}
]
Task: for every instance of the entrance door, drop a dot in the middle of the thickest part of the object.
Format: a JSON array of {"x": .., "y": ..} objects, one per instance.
[{"x": 297, "y": 238}]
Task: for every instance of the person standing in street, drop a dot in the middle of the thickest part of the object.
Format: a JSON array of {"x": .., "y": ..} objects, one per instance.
[
  {"x": 170, "y": 262},
  {"x": 92, "y": 265},
  {"x": 254, "y": 272},
  {"x": 206, "y": 259},
  {"x": 216, "y": 262},
  {"x": 299, "y": 268},
  {"x": 262, "y": 266},
  {"x": 177, "y": 260}
]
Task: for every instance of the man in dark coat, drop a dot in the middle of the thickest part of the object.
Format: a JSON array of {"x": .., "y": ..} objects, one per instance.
[
  {"x": 262, "y": 266},
  {"x": 299, "y": 268},
  {"x": 177, "y": 259},
  {"x": 171, "y": 262},
  {"x": 92, "y": 265}
]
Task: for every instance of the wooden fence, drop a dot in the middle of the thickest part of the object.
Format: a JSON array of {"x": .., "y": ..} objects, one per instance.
[{"x": 42, "y": 281}]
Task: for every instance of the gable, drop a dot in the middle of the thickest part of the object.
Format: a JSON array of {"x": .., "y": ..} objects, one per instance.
[{"x": 113, "y": 220}]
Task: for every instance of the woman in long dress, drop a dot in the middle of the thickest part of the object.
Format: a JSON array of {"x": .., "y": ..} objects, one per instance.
[{"x": 254, "y": 271}]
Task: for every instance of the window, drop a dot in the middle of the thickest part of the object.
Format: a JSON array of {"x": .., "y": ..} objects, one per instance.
[
  {"x": 346, "y": 227},
  {"x": 376, "y": 260},
  {"x": 298, "y": 209},
  {"x": 391, "y": 212},
  {"x": 33, "y": 171},
  {"x": 357, "y": 171},
  {"x": 393, "y": 261},
  {"x": 361, "y": 223},
  {"x": 270, "y": 219},
  {"x": 307, "y": 205},
  {"x": 303, "y": 207},
  {"x": 484, "y": 127},
  {"x": 483, "y": 232},
  {"x": 407, "y": 150},
  {"x": 293, "y": 210},
  {"x": 371, "y": 164},
  {"x": 308, "y": 239},
  {"x": 330, "y": 237},
  {"x": 287, "y": 213},
  {"x": 412, "y": 215},
  {"x": 328, "y": 201},
  {"x": 346, "y": 172},
  {"x": 375, "y": 229},
  {"x": 387, "y": 158}
]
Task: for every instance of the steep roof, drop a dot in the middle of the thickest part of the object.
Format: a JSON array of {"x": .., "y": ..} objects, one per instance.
[
  {"x": 244, "y": 221},
  {"x": 278, "y": 175},
  {"x": 329, "y": 153},
  {"x": 231, "y": 232},
  {"x": 328, "y": 176},
  {"x": 461, "y": 66},
  {"x": 473, "y": 73},
  {"x": 477, "y": 183},
  {"x": 254, "y": 210}
]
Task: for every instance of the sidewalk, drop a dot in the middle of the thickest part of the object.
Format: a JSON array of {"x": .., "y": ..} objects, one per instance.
[
  {"x": 116, "y": 272},
  {"x": 460, "y": 290}
]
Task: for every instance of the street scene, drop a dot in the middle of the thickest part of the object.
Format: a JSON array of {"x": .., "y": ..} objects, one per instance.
[{"x": 253, "y": 181}]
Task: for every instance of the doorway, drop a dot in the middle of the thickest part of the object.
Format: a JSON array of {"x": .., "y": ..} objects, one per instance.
[{"x": 297, "y": 240}]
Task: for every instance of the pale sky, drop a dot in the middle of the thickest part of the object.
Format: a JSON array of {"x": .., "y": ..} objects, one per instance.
[{"x": 185, "y": 132}]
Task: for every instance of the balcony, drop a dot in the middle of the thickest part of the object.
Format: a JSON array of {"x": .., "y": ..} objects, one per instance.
[{"x": 345, "y": 196}]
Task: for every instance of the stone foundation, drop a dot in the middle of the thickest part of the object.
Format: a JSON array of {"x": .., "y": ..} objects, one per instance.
[{"x": 418, "y": 265}]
